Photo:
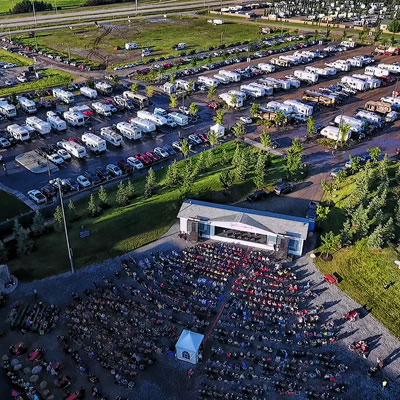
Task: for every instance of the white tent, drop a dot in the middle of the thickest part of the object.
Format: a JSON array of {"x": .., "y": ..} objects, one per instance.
[
  {"x": 187, "y": 346},
  {"x": 218, "y": 129}
]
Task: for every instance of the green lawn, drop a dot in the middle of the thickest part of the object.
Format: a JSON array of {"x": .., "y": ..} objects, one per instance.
[
  {"x": 13, "y": 58},
  {"x": 51, "y": 78},
  {"x": 11, "y": 206},
  {"x": 121, "y": 229}
]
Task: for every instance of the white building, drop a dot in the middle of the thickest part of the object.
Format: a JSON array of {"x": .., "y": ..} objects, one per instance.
[
  {"x": 188, "y": 346},
  {"x": 261, "y": 229}
]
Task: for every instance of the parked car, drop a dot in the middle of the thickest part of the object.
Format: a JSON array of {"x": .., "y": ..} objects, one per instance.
[
  {"x": 38, "y": 197},
  {"x": 143, "y": 158},
  {"x": 83, "y": 182},
  {"x": 55, "y": 158},
  {"x": 152, "y": 156},
  {"x": 283, "y": 188},
  {"x": 114, "y": 170},
  {"x": 4, "y": 143},
  {"x": 161, "y": 152},
  {"x": 336, "y": 171},
  {"x": 257, "y": 195},
  {"x": 125, "y": 167},
  {"x": 93, "y": 177},
  {"x": 103, "y": 174},
  {"x": 246, "y": 120},
  {"x": 134, "y": 162},
  {"x": 195, "y": 139},
  {"x": 64, "y": 154},
  {"x": 171, "y": 151}
]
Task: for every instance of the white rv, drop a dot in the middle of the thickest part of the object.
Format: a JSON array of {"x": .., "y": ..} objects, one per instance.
[
  {"x": 266, "y": 67},
  {"x": 88, "y": 92},
  {"x": 144, "y": 124},
  {"x": 228, "y": 99},
  {"x": 103, "y": 88},
  {"x": 102, "y": 109},
  {"x": 157, "y": 119},
  {"x": 392, "y": 68},
  {"x": 27, "y": 105},
  {"x": 354, "y": 83},
  {"x": 208, "y": 81},
  {"x": 110, "y": 136},
  {"x": 391, "y": 100},
  {"x": 222, "y": 78},
  {"x": 75, "y": 149},
  {"x": 306, "y": 76},
  {"x": 55, "y": 121},
  {"x": 276, "y": 106},
  {"x": 356, "y": 125},
  {"x": 163, "y": 113},
  {"x": 341, "y": 65},
  {"x": 8, "y": 110},
  {"x": 128, "y": 131},
  {"x": 371, "y": 117},
  {"x": 375, "y": 71},
  {"x": 252, "y": 91},
  {"x": 268, "y": 90},
  {"x": 74, "y": 118},
  {"x": 94, "y": 142},
  {"x": 63, "y": 95},
  {"x": 180, "y": 119},
  {"x": 299, "y": 107},
  {"x": 18, "y": 132},
  {"x": 39, "y": 125},
  {"x": 333, "y": 133},
  {"x": 239, "y": 93},
  {"x": 233, "y": 76}
]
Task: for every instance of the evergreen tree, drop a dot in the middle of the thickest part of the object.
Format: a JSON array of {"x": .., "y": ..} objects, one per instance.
[
  {"x": 388, "y": 231},
  {"x": 226, "y": 178},
  {"x": 280, "y": 119},
  {"x": 92, "y": 206},
  {"x": 188, "y": 178},
  {"x": 225, "y": 158},
  {"x": 58, "y": 219},
  {"x": 201, "y": 164},
  {"x": 259, "y": 171},
  {"x": 242, "y": 168},
  {"x": 294, "y": 157},
  {"x": 3, "y": 253},
  {"x": 383, "y": 168},
  {"x": 71, "y": 210},
  {"x": 346, "y": 234},
  {"x": 265, "y": 139},
  {"x": 397, "y": 172},
  {"x": 236, "y": 156},
  {"x": 185, "y": 148},
  {"x": 121, "y": 197},
  {"x": 208, "y": 159},
  {"x": 172, "y": 176},
  {"x": 239, "y": 130},
  {"x": 212, "y": 138},
  {"x": 360, "y": 221},
  {"x": 38, "y": 224},
  {"x": 24, "y": 242},
  {"x": 374, "y": 153},
  {"x": 134, "y": 87},
  {"x": 130, "y": 189},
  {"x": 375, "y": 239},
  {"x": 149, "y": 91},
  {"x": 330, "y": 243},
  {"x": 254, "y": 109},
  {"x": 310, "y": 125},
  {"x": 211, "y": 92},
  {"x": 103, "y": 197},
  {"x": 394, "y": 25},
  {"x": 151, "y": 183}
]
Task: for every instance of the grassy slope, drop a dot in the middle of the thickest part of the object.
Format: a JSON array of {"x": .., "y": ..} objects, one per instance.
[
  {"x": 13, "y": 58},
  {"x": 363, "y": 270},
  {"x": 121, "y": 229},
  {"x": 10, "y": 206},
  {"x": 51, "y": 78}
]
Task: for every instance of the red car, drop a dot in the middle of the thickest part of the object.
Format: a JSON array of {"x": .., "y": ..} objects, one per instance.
[
  {"x": 143, "y": 158},
  {"x": 107, "y": 101},
  {"x": 202, "y": 136},
  {"x": 88, "y": 113},
  {"x": 74, "y": 139},
  {"x": 152, "y": 156}
]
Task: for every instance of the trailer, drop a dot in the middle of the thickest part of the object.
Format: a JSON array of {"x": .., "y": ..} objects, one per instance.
[
  {"x": 378, "y": 106},
  {"x": 145, "y": 125},
  {"x": 205, "y": 80},
  {"x": 110, "y": 136},
  {"x": 180, "y": 119},
  {"x": 103, "y": 88},
  {"x": 391, "y": 51},
  {"x": 306, "y": 76},
  {"x": 355, "y": 124},
  {"x": 169, "y": 88},
  {"x": 18, "y": 132},
  {"x": 127, "y": 104},
  {"x": 284, "y": 84},
  {"x": 63, "y": 95},
  {"x": 275, "y": 106},
  {"x": 39, "y": 125},
  {"x": 94, "y": 142},
  {"x": 391, "y": 100},
  {"x": 233, "y": 76},
  {"x": 333, "y": 133},
  {"x": 222, "y": 79},
  {"x": 268, "y": 90},
  {"x": 371, "y": 118},
  {"x": 341, "y": 65},
  {"x": 375, "y": 71},
  {"x": 138, "y": 99},
  {"x": 280, "y": 63},
  {"x": 238, "y": 93},
  {"x": 128, "y": 131},
  {"x": 74, "y": 118},
  {"x": 299, "y": 107},
  {"x": 294, "y": 83},
  {"x": 73, "y": 148},
  {"x": 27, "y": 105},
  {"x": 163, "y": 113},
  {"x": 88, "y": 92},
  {"x": 55, "y": 121},
  {"x": 8, "y": 110},
  {"x": 319, "y": 98},
  {"x": 229, "y": 100},
  {"x": 354, "y": 83},
  {"x": 392, "y": 68},
  {"x": 156, "y": 119},
  {"x": 268, "y": 68},
  {"x": 371, "y": 82},
  {"x": 252, "y": 91},
  {"x": 102, "y": 109}
]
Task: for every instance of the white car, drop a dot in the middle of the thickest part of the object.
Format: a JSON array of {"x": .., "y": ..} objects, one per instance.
[
  {"x": 161, "y": 152},
  {"x": 64, "y": 154},
  {"x": 184, "y": 110},
  {"x": 9, "y": 65},
  {"x": 37, "y": 196},
  {"x": 246, "y": 120},
  {"x": 134, "y": 162},
  {"x": 114, "y": 170},
  {"x": 4, "y": 143},
  {"x": 83, "y": 181},
  {"x": 55, "y": 158},
  {"x": 195, "y": 139}
]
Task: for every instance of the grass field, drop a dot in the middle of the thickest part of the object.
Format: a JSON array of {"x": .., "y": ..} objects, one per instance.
[
  {"x": 121, "y": 229},
  {"x": 11, "y": 206},
  {"x": 13, "y": 58},
  {"x": 51, "y": 78}
]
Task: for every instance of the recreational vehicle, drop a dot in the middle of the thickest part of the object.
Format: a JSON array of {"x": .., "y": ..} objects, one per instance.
[
  {"x": 94, "y": 142},
  {"x": 128, "y": 131}
]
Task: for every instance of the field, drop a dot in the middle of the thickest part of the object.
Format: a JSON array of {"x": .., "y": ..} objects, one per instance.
[
  {"x": 97, "y": 44},
  {"x": 10, "y": 206},
  {"x": 121, "y": 229},
  {"x": 13, "y": 58},
  {"x": 51, "y": 78}
]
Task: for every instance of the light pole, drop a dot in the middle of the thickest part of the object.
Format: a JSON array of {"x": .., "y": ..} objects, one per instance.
[
  {"x": 34, "y": 11},
  {"x": 71, "y": 261}
]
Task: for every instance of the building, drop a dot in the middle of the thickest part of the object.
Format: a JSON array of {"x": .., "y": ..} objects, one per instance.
[
  {"x": 188, "y": 346},
  {"x": 261, "y": 229}
]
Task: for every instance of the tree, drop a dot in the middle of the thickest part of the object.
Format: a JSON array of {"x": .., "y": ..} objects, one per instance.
[
  {"x": 24, "y": 242},
  {"x": 58, "y": 219},
  {"x": 242, "y": 167},
  {"x": 115, "y": 80},
  {"x": 194, "y": 62},
  {"x": 394, "y": 25},
  {"x": 360, "y": 221},
  {"x": 188, "y": 178},
  {"x": 212, "y": 138},
  {"x": 374, "y": 153},
  {"x": 90, "y": 82},
  {"x": 121, "y": 197},
  {"x": 3, "y": 253},
  {"x": 234, "y": 100},
  {"x": 219, "y": 117},
  {"x": 225, "y": 157},
  {"x": 330, "y": 243},
  {"x": 322, "y": 213},
  {"x": 172, "y": 176},
  {"x": 328, "y": 188},
  {"x": 71, "y": 212},
  {"x": 254, "y": 109},
  {"x": 185, "y": 148},
  {"x": 377, "y": 34},
  {"x": 236, "y": 156},
  {"x": 38, "y": 224},
  {"x": 310, "y": 125},
  {"x": 259, "y": 171},
  {"x": 172, "y": 78},
  {"x": 92, "y": 206},
  {"x": 149, "y": 91},
  {"x": 294, "y": 157},
  {"x": 383, "y": 168},
  {"x": 103, "y": 197},
  {"x": 134, "y": 87},
  {"x": 226, "y": 179},
  {"x": 190, "y": 86},
  {"x": 26, "y": 6},
  {"x": 239, "y": 130},
  {"x": 208, "y": 159},
  {"x": 130, "y": 189},
  {"x": 388, "y": 231},
  {"x": 375, "y": 239},
  {"x": 279, "y": 119},
  {"x": 355, "y": 163},
  {"x": 265, "y": 139},
  {"x": 343, "y": 131},
  {"x": 173, "y": 101},
  {"x": 194, "y": 109},
  {"x": 151, "y": 183},
  {"x": 346, "y": 233},
  {"x": 211, "y": 92}
]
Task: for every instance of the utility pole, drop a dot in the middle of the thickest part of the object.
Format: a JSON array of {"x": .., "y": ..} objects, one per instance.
[
  {"x": 34, "y": 11},
  {"x": 71, "y": 262}
]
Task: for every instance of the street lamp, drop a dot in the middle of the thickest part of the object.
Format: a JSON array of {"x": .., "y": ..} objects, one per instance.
[
  {"x": 34, "y": 11},
  {"x": 71, "y": 261}
]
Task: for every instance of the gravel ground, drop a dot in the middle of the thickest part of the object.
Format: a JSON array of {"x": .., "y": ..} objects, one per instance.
[{"x": 167, "y": 379}]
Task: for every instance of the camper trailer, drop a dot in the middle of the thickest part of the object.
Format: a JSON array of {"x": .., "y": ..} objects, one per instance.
[
  {"x": 18, "y": 132},
  {"x": 63, "y": 95},
  {"x": 128, "y": 131},
  {"x": 103, "y": 88},
  {"x": 27, "y": 105},
  {"x": 306, "y": 76},
  {"x": 252, "y": 91},
  {"x": 55, "y": 121},
  {"x": 8, "y": 110},
  {"x": 163, "y": 113},
  {"x": 156, "y": 119},
  {"x": 299, "y": 107},
  {"x": 205, "y": 80},
  {"x": 94, "y": 142},
  {"x": 88, "y": 92},
  {"x": 73, "y": 148},
  {"x": 74, "y": 118},
  {"x": 222, "y": 79},
  {"x": 378, "y": 106},
  {"x": 180, "y": 119},
  {"x": 375, "y": 71},
  {"x": 102, "y": 109},
  {"x": 268, "y": 68},
  {"x": 110, "y": 136},
  {"x": 392, "y": 68},
  {"x": 145, "y": 125},
  {"x": 354, "y": 83},
  {"x": 138, "y": 99},
  {"x": 228, "y": 99},
  {"x": 40, "y": 126},
  {"x": 233, "y": 76},
  {"x": 333, "y": 133},
  {"x": 355, "y": 124}
]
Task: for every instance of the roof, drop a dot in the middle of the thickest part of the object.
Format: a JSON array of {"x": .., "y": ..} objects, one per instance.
[
  {"x": 264, "y": 220},
  {"x": 189, "y": 340}
]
